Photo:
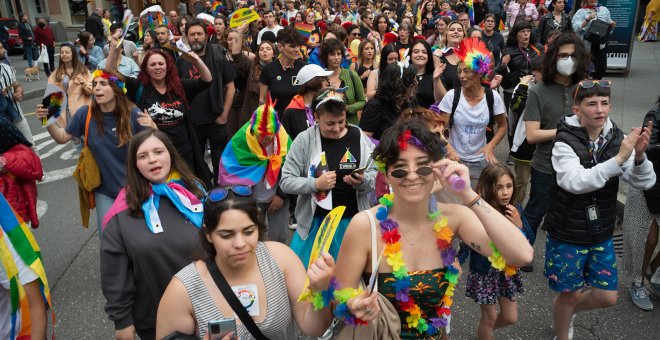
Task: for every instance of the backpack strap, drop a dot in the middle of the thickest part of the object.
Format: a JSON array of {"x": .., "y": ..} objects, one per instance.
[
  {"x": 490, "y": 101},
  {"x": 89, "y": 117},
  {"x": 138, "y": 95},
  {"x": 454, "y": 105}
]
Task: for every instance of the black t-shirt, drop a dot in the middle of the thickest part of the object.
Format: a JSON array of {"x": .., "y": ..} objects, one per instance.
[
  {"x": 450, "y": 75},
  {"x": 425, "y": 96},
  {"x": 295, "y": 121},
  {"x": 401, "y": 46},
  {"x": 207, "y": 106},
  {"x": 377, "y": 116},
  {"x": 168, "y": 111},
  {"x": 280, "y": 83},
  {"x": 343, "y": 156}
]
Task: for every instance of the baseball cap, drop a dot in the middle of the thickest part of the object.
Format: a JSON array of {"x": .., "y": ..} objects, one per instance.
[{"x": 309, "y": 72}]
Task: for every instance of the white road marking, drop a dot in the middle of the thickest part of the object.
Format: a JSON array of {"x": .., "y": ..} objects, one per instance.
[
  {"x": 42, "y": 206},
  {"x": 45, "y": 144},
  {"x": 40, "y": 136},
  {"x": 68, "y": 155},
  {"x": 53, "y": 151},
  {"x": 57, "y": 175}
]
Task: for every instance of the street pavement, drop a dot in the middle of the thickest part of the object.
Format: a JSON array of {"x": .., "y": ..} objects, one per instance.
[{"x": 71, "y": 252}]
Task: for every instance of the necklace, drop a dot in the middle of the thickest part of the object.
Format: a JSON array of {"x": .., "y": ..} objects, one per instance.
[
  {"x": 420, "y": 76},
  {"x": 391, "y": 236}
]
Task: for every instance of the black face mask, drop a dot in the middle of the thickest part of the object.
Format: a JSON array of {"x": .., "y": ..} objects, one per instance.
[{"x": 42, "y": 24}]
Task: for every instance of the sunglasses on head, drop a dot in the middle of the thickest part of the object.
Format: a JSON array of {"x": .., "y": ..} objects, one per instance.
[
  {"x": 219, "y": 194},
  {"x": 403, "y": 173},
  {"x": 587, "y": 84}
]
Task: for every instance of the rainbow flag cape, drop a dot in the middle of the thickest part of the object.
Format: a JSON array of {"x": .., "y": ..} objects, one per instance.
[
  {"x": 245, "y": 162},
  {"x": 19, "y": 235},
  {"x": 471, "y": 10},
  {"x": 304, "y": 29}
]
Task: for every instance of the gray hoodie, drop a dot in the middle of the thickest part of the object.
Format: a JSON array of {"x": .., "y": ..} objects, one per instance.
[{"x": 295, "y": 178}]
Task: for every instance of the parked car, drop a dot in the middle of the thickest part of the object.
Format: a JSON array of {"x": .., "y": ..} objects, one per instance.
[{"x": 15, "y": 43}]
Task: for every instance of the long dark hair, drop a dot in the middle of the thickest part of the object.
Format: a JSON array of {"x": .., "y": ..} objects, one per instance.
[
  {"x": 122, "y": 113},
  {"x": 172, "y": 80},
  {"x": 78, "y": 67},
  {"x": 488, "y": 180},
  {"x": 550, "y": 59},
  {"x": 396, "y": 88},
  {"x": 429, "y": 54},
  {"x": 383, "y": 56},
  {"x": 213, "y": 212},
  {"x": 138, "y": 188},
  {"x": 512, "y": 39}
]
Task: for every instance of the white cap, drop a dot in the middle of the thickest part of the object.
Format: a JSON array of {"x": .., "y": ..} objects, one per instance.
[{"x": 309, "y": 72}]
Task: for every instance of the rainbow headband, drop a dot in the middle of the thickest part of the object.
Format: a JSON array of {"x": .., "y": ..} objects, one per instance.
[
  {"x": 476, "y": 56},
  {"x": 110, "y": 77},
  {"x": 264, "y": 120}
]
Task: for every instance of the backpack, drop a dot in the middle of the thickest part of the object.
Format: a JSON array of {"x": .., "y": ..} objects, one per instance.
[{"x": 490, "y": 101}]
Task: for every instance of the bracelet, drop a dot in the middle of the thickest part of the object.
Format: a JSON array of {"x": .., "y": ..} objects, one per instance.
[
  {"x": 322, "y": 299},
  {"x": 342, "y": 311},
  {"x": 473, "y": 201}
]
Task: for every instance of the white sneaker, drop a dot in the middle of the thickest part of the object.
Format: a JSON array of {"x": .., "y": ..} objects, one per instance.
[
  {"x": 656, "y": 277},
  {"x": 570, "y": 328}
]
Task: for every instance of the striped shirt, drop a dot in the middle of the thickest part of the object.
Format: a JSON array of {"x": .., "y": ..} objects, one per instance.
[{"x": 7, "y": 78}]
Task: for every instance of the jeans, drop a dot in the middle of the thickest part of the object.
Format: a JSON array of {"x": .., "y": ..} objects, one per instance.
[
  {"x": 538, "y": 198},
  {"x": 103, "y": 204},
  {"x": 28, "y": 54},
  {"x": 277, "y": 222}
]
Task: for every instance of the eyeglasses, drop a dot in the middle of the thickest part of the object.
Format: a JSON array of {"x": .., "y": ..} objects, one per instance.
[
  {"x": 587, "y": 84},
  {"x": 356, "y": 34},
  {"x": 566, "y": 56},
  {"x": 403, "y": 173},
  {"x": 219, "y": 194}
]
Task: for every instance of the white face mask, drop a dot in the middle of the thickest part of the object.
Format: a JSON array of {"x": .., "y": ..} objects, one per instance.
[{"x": 566, "y": 67}]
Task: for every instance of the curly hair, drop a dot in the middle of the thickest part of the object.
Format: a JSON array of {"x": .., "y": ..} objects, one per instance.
[
  {"x": 289, "y": 35},
  {"x": 388, "y": 151},
  {"x": 391, "y": 82},
  {"x": 172, "y": 80},
  {"x": 550, "y": 60},
  {"x": 330, "y": 46},
  {"x": 375, "y": 23}
]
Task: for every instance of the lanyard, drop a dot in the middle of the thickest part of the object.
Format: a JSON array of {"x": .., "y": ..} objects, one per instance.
[{"x": 310, "y": 116}]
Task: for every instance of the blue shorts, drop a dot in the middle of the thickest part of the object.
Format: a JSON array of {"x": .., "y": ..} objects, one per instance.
[{"x": 569, "y": 266}]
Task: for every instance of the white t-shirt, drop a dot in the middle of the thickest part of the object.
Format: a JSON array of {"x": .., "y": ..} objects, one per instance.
[
  {"x": 25, "y": 275},
  {"x": 468, "y": 134},
  {"x": 275, "y": 29}
]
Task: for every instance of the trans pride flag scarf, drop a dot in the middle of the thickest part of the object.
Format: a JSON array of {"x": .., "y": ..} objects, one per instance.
[
  {"x": 244, "y": 161},
  {"x": 21, "y": 238}
]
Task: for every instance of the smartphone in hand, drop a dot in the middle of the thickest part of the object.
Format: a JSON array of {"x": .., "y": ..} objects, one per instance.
[{"x": 218, "y": 329}]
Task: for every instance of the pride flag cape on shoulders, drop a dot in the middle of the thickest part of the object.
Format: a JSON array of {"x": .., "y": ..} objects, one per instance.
[
  {"x": 21, "y": 238},
  {"x": 244, "y": 161}
]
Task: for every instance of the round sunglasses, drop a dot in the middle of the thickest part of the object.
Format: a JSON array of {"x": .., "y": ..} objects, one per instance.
[
  {"x": 403, "y": 173},
  {"x": 219, "y": 194}
]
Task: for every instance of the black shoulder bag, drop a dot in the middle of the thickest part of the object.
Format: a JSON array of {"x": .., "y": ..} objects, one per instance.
[{"x": 233, "y": 301}]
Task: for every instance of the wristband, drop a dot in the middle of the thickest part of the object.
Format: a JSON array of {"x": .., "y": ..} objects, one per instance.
[{"x": 473, "y": 201}]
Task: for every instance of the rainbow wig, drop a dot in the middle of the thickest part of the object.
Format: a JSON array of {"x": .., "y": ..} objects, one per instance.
[
  {"x": 476, "y": 56},
  {"x": 264, "y": 121},
  {"x": 110, "y": 77}
]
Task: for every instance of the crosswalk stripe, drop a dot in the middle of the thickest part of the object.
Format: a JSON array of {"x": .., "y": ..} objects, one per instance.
[
  {"x": 53, "y": 151},
  {"x": 40, "y": 136},
  {"x": 45, "y": 144},
  {"x": 56, "y": 175}
]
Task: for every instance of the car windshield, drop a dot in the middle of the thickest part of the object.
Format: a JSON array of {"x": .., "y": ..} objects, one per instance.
[{"x": 10, "y": 24}]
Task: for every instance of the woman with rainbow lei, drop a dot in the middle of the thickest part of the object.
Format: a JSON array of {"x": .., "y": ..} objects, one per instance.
[{"x": 415, "y": 234}]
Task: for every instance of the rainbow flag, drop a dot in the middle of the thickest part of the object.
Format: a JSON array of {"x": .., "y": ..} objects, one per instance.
[
  {"x": 217, "y": 7},
  {"x": 304, "y": 29},
  {"x": 501, "y": 26},
  {"x": 471, "y": 11},
  {"x": 244, "y": 161},
  {"x": 20, "y": 237}
]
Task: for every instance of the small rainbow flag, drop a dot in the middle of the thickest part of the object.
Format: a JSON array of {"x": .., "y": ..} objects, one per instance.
[
  {"x": 471, "y": 11},
  {"x": 501, "y": 26},
  {"x": 55, "y": 101},
  {"x": 304, "y": 29},
  {"x": 217, "y": 7}
]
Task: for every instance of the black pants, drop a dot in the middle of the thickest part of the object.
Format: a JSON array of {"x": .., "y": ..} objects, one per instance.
[
  {"x": 146, "y": 334},
  {"x": 50, "y": 67},
  {"x": 216, "y": 134},
  {"x": 599, "y": 58}
]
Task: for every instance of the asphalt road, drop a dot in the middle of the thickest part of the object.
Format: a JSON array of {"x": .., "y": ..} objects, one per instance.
[{"x": 71, "y": 257}]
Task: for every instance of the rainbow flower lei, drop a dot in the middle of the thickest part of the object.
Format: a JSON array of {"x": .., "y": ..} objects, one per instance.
[
  {"x": 391, "y": 237},
  {"x": 110, "y": 77}
]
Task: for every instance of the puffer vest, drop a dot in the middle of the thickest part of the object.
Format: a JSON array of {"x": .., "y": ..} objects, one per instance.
[{"x": 566, "y": 217}]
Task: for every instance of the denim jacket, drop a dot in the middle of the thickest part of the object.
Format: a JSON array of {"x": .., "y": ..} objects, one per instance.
[{"x": 479, "y": 263}]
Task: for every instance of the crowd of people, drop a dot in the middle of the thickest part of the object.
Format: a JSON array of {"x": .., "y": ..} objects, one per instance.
[{"x": 233, "y": 144}]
